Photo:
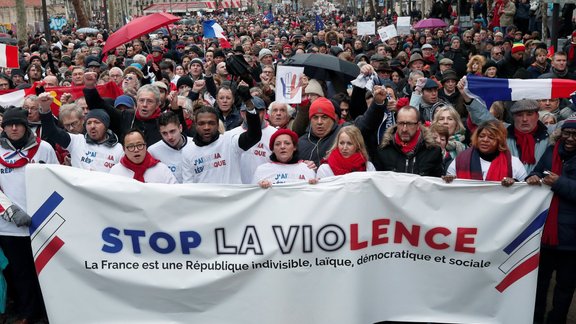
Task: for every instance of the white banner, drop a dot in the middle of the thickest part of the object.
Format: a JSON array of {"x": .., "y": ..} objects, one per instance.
[
  {"x": 387, "y": 32},
  {"x": 288, "y": 85},
  {"x": 403, "y": 25},
  {"x": 362, "y": 248},
  {"x": 366, "y": 28}
]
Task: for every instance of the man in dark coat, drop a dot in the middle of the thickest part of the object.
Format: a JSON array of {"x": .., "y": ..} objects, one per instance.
[
  {"x": 558, "y": 249},
  {"x": 408, "y": 147},
  {"x": 324, "y": 127}
]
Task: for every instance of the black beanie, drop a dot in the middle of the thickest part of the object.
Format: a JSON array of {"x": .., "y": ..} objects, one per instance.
[
  {"x": 15, "y": 116},
  {"x": 185, "y": 80},
  {"x": 99, "y": 114}
]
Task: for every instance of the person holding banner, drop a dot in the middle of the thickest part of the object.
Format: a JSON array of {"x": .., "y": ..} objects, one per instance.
[
  {"x": 408, "y": 147},
  {"x": 285, "y": 167},
  {"x": 527, "y": 137},
  {"x": 347, "y": 154},
  {"x": 215, "y": 158},
  {"x": 557, "y": 169},
  {"x": 488, "y": 158},
  {"x": 138, "y": 164},
  {"x": 18, "y": 147}
]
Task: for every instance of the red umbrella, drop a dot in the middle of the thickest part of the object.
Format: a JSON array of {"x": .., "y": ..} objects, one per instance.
[
  {"x": 430, "y": 23},
  {"x": 137, "y": 28}
]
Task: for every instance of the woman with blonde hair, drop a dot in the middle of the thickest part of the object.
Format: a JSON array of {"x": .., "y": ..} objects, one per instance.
[
  {"x": 475, "y": 65},
  {"x": 488, "y": 158},
  {"x": 347, "y": 154},
  {"x": 447, "y": 116}
]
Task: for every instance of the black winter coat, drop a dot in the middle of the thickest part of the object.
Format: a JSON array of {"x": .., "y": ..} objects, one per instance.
[{"x": 426, "y": 160}]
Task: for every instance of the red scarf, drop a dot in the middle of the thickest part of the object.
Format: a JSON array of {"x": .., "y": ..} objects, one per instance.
[
  {"x": 571, "y": 52},
  {"x": 139, "y": 169},
  {"x": 468, "y": 166},
  {"x": 526, "y": 142},
  {"x": 155, "y": 115},
  {"x": 550, "y": 235},
  {"x": 341, "y": 165},
  {"x": 407, "y": 147},
  {"x": 24, "y": 159},
  {"x": 500, "y": 167}
]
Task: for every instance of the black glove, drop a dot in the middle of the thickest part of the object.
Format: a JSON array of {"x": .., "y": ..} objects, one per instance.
[
  {"x": 144, "y": 70},
  {"x": 17, "y": 216},
  {"x": 244, "y": 93}
]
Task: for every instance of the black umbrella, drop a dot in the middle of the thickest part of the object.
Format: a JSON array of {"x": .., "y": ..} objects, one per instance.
[{"x": 325, "y": 67}]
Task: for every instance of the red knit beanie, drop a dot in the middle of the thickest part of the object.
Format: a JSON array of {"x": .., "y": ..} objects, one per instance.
[
  {"x": 283, "y": 131},
  {"x": 322, "y": 106}
]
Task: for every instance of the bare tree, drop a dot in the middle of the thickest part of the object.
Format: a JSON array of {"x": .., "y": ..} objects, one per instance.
[
  {"x": 81, "y": 19},
  {"x": 21, "y": 16}
]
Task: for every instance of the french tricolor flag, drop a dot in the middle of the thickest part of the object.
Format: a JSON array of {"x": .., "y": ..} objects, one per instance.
[
  {"x": 213, "y": 30},
  {"x": 9, "y": 56},
  {"x": 494, "y": 89}
]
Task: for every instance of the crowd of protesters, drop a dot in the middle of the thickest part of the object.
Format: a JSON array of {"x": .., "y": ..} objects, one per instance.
[{"x": 192, "y": 111}]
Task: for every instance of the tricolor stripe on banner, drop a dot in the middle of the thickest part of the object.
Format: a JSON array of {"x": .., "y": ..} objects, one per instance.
[
  {"x": 49, "y": 251},
  {"x": 9, "y": 56},
  {"x": 523, "y": 252},
  {"x": 494, "y": 89},
  {"x": 45, "y": 246},
  {"x": 519, "y": 272}
]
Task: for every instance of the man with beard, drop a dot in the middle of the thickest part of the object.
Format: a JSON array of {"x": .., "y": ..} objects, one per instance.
[
  {"x": 215, "y": 158},
  {"x": 97, "y": 150},
  {"x": 408, "y": 147},
  {"x": 558, "y": 249}
]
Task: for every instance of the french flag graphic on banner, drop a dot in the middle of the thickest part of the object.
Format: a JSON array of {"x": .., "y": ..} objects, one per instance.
[
  {"x": 213, "y": 30},
  {"x": 494, "y": 89},
  {"x": 44, "y": 231},
  {"x": 9, "y": 56},
  {"x": 523, "y": 253}
]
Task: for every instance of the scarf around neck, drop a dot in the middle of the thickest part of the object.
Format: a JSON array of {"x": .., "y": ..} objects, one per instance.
[
  {"x": 468, "y": 166},
  {"x": 139, "y": 169},
  {"x": 155, "y": 115},
  {"x": 550, "y": 234},
  {"x": 341, "y": 165},
  {"x": 526, "y": 142},
  {"x": 410, "y": 146},
  {"x": 24, "y": 158}
]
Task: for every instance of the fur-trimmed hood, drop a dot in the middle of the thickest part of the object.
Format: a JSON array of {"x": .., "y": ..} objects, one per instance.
[{"x": 425, "y": 137}]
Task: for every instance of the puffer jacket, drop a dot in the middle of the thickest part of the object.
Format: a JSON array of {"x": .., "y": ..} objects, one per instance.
[{"x": 425, "y": 160}]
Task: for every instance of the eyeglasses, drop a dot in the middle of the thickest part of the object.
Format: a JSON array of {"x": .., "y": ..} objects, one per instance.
[
  {"x": 406, "y": 124},
  {"x": 497, "y": 53},
  {"x": 129, "y": 78},
  {"x": 568, "y": 134},
  {"x": 135, "y": 147},
  {"x": 73, "y": 124}
]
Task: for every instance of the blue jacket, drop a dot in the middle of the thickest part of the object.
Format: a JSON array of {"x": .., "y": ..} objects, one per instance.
[{"x": 565, "y": 188}]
